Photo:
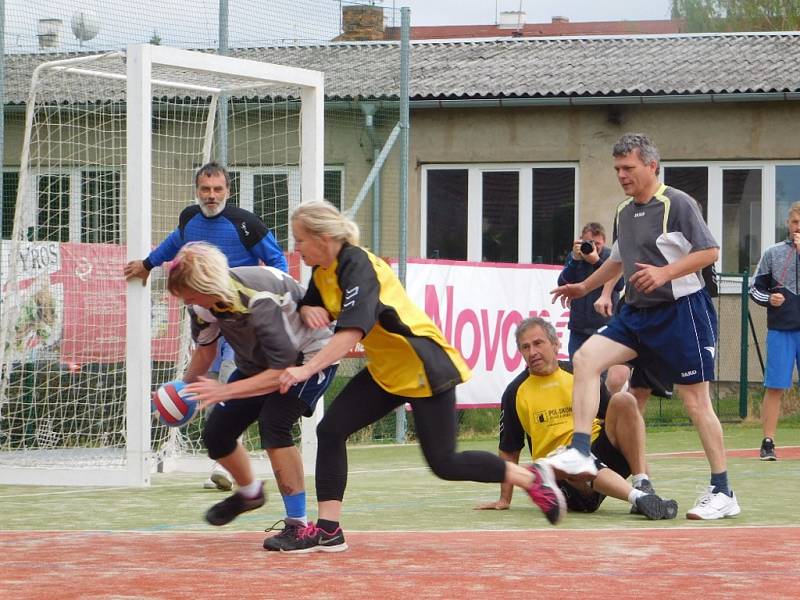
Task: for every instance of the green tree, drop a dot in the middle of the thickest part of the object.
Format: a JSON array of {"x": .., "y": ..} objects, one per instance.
[{"x": 738, "y": 15}]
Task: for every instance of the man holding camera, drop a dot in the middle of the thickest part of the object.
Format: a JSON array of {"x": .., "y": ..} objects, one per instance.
[{"x": 588, "y": 254}]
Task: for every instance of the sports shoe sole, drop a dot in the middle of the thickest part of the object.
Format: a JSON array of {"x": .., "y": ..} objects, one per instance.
[
  {"x": 585, "y": 472},
  {"x": 337, "y": 548},
  {"x": 769, "y": 458},
  {"x": 222, "y": 482}
]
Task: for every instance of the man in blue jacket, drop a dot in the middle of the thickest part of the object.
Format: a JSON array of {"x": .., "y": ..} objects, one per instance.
[
  {"x": 589, "y": 252},
  {"x": 241, "y": 235},
  {"x": 777, "y": 286}
]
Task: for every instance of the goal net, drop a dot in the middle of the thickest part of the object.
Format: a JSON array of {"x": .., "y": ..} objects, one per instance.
[{"x": 111, "y": 146}]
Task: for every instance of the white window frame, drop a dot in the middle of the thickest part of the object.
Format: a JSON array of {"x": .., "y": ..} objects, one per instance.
[
  {"x": 292, "y": 172},
  {"x": 768, "y": 217},
  {"x": 75, "y": 174},
  {"x": 475, "y": 203}
]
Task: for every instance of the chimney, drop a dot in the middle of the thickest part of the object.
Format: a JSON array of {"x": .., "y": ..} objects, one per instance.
[
  {"x": 48, "y": 31},
  {"x": 560, "y": 20},
  {"x": 361, "y": 23},
  {"x": 511, "y": 19}
]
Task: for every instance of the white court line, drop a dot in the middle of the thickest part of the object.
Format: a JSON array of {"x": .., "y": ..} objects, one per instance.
[
  {"x": 649, "y": 530},
  {"x": 688, "y": 452}
]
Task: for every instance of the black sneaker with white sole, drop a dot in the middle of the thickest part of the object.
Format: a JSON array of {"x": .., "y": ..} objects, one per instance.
[
  {"x": 767, "y": 452},
  {"x": 226, "y": 511}
]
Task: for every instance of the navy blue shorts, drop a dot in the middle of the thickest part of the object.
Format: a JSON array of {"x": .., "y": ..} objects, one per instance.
[{"x": 680, "y": 337}]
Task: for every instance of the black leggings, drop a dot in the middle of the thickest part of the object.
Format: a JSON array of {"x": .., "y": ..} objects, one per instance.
[{"x": 363, "y": 402}]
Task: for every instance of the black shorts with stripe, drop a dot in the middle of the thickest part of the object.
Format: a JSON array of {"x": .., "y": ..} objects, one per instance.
[{"x": 582, "y": 498}]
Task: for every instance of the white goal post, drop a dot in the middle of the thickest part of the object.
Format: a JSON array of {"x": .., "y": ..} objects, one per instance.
[{"x": 113, "y": 139}]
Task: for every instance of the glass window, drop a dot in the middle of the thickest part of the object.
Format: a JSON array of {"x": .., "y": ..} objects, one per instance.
[
  {"x": 787, "y": 192},
  {"x": 236, "y": 185},
  {"x": 100, "y": 207},
  {"x": 692, "y": 180},
  {"x": 447, "y": 213},
  {"x": 741, "y": 219},
  {"x": 332, "y": 188},
  {"x": 271, "y": 203},
  {"x": 10, "y": 182},
  {"x": 53, "y": 218},
  {"x": 500, "y": 216},
  {"x": 553, "y": 214}
]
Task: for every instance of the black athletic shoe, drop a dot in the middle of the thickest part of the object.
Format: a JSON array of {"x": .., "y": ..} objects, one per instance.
[
  {"x": 311, "y": 539},
  {"x": 768, "y": 450},
  {"x": 289, "y": 531},
  {"x": 654, "y": 507},
  {"x": 226, "y": 511},
  {"x": 644, "y": 486}
]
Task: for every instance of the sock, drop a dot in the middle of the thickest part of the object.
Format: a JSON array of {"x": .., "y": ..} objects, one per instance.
[
  {"x": 582, "y": 443},
  {"x": 327, "y": 526},
  {"x": 632, "y": 497},
  {"x": 251, "y": 490},
  {"x": 719, "y": 483},
  {"x": 296, "y": 507},
  {"x": 638, "y": 478}
]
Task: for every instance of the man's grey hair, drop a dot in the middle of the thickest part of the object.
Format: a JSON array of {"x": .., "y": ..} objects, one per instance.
[
  {"x": 629, "y": 142},
  {"x": 212, "y": 169},
  {"x": 526, "y": 324}
]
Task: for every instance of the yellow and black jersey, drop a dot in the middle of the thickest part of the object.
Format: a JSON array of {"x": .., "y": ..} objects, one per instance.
[
  {"x": 406, "y": 353},
  {"x": 541, "y": 407}
]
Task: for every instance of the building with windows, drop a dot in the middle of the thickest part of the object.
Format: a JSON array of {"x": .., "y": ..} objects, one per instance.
[{"x": 511, "y": 138}]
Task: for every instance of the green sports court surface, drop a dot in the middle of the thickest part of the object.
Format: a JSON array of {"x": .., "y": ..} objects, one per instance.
[{"x": 412, "y": 535}]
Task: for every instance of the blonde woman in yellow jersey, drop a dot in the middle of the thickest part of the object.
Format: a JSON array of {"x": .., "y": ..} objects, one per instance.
[{"x": 408, "y": 360}]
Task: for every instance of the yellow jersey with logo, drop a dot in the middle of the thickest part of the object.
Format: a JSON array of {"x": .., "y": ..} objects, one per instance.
[
  {"x": 544, "y": 408},
  {"x": 406, "y": 353}
]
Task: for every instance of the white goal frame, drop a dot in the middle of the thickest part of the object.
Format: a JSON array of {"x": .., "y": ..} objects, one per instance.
[{"x": 140, "y": 61}]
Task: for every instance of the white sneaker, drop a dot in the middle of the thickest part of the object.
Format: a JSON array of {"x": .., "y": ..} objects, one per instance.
[
  {"x": 222, "y": 479},
  {"x": 714, "y": 506},
  {"x": 209, "y": 485},
  {"x": 572, "y": 462}
]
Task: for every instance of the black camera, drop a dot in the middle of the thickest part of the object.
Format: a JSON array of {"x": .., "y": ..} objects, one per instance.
[{"x": 587, "y": 247}]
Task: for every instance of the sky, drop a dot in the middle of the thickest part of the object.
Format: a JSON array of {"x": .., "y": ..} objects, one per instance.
[
  {"x": 473, "y": 12},
  {"x": 193, "y": 23}
]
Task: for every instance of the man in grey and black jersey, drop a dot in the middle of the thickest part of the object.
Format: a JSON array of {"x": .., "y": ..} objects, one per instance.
[{"x": 661, "y": 244}]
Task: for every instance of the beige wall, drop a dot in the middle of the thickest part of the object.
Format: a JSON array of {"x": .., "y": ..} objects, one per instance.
[{"x": 583, "y": 135}]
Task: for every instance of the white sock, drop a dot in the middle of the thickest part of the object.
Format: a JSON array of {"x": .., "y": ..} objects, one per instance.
[
  {"x": 634, "y": 495},
  {"x": 638, "y": 478},
  {"x": 251, "y": 490}
]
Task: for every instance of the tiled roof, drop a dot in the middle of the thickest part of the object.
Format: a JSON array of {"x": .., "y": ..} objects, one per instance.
[
  {"x": 560, "y": 28},
  {"x": 665, "y": 65}
]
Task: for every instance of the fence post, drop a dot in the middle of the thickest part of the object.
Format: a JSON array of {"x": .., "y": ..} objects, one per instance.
[
  {"x": 743, "y": 378},
  {"x": 405, "y": 56}
]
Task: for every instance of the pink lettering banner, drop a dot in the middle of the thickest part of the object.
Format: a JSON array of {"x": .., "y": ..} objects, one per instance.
[{"x": 478, "y": 307}]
